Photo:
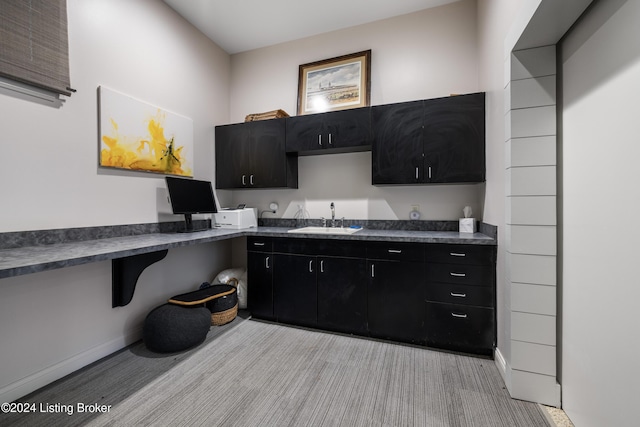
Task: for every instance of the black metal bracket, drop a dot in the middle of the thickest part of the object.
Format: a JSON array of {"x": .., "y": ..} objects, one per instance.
[{"x": 125, "y": 273}]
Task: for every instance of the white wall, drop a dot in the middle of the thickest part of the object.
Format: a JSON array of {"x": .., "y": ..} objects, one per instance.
[
  {"x": 600, "y": 150},
  {"x": 54, "y": 322},
  {"x": 426, "y": 54},
  {"x": 495, "y": 18}
]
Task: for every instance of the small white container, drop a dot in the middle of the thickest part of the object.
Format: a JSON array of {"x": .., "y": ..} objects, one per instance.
[{"x": 467, "y": 225}]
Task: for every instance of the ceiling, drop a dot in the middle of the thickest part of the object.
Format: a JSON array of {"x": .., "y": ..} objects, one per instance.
[{"x": 241, "y": 25}]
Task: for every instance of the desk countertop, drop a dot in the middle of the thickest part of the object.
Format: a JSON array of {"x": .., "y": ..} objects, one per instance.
[{"x": 33, "y": 259}]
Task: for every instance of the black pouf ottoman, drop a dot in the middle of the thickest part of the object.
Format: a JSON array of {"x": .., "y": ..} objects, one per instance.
[{"x": 170, "y": 328}]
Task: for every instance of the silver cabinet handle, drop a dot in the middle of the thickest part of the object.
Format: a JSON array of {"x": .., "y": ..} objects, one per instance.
[
  {"x": 251, "y": 179},
  {"x": 330, "y": 139},
  {"x": 244, "y": 181},
  {"x": 266, "y": 263},
  {"x": 373, "y": 270},
  {"x": 319, "y": 139},
  {"x": 458, "y": 274},
  {"x": 311, "y": 266},
  {"x": 258, "y": 243},
  {"x": 459, "y": 316},
  {"x": 456, "y": 254},
  {"x": 395, "y": 251},
  {"x": 416, "y": 172},
  {"x": 321, "y": 266},
  {"x": 429, "y": 172},
  {"x": 458, "y": 295}
]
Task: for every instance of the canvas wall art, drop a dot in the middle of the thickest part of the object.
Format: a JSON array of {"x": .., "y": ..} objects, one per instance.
[{"x": 135, "y": 135}]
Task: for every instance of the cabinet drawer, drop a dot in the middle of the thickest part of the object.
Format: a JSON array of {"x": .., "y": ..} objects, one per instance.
[
  {"x": 477, "y": 275},
  {"x": 259, "y": 244},
  {"x": 401, "y": 251},
  {"x": 461, "y": 254},
  {"x": 460, "y": 294},
  {"x": 462, "y": 328},
  {"x": 323, "y": 247}
]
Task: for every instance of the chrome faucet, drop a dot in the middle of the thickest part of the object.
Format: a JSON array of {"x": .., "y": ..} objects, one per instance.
[{"x": 333, "y": 214}]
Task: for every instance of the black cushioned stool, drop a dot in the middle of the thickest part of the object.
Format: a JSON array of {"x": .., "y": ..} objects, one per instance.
[{"x": 170, "y": 328}]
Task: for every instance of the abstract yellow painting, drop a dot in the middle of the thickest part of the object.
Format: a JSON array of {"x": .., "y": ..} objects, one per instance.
[{"x": 138, "y": 136}]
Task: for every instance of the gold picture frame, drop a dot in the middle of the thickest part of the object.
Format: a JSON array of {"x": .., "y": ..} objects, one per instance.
[{"x": 334, "y": 84}]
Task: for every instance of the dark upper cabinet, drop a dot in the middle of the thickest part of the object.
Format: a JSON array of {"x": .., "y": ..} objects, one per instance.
[
  {"x": 398, "y": 143},
  {"x": 432, "y": 141},
  {"x": 454, "y": 139},
  {"x": 333, "y": 132},
  {"x": 252, "y": 155}
]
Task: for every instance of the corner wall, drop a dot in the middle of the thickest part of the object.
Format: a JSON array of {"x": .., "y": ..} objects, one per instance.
[
  {"x": 55, "y": 322},
  {"x": 431, "y": 53}
]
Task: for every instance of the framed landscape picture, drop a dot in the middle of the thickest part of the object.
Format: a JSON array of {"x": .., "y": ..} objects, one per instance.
[{"x": 335, "y": 84}]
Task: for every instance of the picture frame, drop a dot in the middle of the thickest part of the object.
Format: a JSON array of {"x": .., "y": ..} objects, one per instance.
[{"x": 334, "y": 84}]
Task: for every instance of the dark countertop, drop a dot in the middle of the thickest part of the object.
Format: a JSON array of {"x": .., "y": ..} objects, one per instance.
[{"x": 33, "y": 259}]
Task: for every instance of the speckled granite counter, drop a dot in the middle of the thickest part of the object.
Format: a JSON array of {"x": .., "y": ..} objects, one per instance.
[{"x": 32, "y": 259}]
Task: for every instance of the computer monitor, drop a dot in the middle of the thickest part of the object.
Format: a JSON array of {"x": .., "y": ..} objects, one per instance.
[{"x": 190, "y": 196}]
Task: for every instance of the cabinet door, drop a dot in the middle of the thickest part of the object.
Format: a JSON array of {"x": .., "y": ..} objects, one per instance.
[
  {"x": 396, "y": 300},
  {"x": 397, "y": 149},
  {"x": 268, "y": 161},
  {"x": 259, "y": 280},
  {"x": 233, "y": 151},
  {"x": 454, "y": 132},
  {"x": 348, "y": 129},
  {"x": 295, "y": 297},
  {"x": 304, "y": 133},
  {"x": 342, "y": 294}
]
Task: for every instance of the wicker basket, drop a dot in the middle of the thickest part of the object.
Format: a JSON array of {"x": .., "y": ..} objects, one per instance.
[
  {"x": 275, "y": 114},
  {"x": 224, "y": 309}
]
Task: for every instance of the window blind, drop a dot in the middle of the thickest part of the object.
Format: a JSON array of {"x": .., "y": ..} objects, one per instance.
[{"x": 34, "y": 47}]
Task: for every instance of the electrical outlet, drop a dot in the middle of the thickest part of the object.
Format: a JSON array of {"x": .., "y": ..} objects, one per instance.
[{"x": 415, "y": 207}]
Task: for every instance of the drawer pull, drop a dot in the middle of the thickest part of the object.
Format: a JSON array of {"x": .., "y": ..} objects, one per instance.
[
  {"x": 311, "y": 266},
  {"x": 459, "y": 316},
  {"x": 266, "y": 263},
  {"x": 395, "y": 251},
  {"x": 321, "y": 266},
  {"x": 458, "y": 295},
  {"x": 258, "y": 244},
  {"x": 373, "y": 270},
  {"x": 458, "y": 274},
  {"x": 457, "y": 254}
]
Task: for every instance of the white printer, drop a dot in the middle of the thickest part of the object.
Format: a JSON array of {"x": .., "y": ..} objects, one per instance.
[{"x": 235, "y": 218}]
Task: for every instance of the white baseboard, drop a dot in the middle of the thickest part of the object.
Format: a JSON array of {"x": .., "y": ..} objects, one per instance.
[
  {"x": 503, "y": 368},
  {"x": 39, "y": 379}
]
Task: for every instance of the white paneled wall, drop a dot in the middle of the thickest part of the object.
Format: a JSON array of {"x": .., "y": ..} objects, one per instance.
[{"x": 531, "y": 223}]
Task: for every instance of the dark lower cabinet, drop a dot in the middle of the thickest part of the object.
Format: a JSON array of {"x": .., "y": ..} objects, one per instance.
[
  {"x": 260, "y": 288},
  {"x": 461, "y": 328},
  {"x": 295, "y": 295},
  {"x": 260, "y": 277},
  {"x": 342, "y": 295},
  {"x": 396, "y": 307},
  {"x": 438, "y": 295}
]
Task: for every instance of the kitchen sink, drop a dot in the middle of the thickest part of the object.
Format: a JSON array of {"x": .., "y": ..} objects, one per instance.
[{"x": 324, "y": 230}]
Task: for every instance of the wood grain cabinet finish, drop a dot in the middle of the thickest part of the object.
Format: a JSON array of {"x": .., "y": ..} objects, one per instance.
[
  {"x": 460, "y": 298},
  {"x": 438, "y": 295},
  {"x": 438, "y": 140},
  {"x": 252, "y": 155},
  {"x": 333, "y": 132},
  {"x": 260, "y": 277}
]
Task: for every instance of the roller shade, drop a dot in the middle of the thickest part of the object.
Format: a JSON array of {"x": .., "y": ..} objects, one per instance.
[{"x": 34, "y": 45}]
